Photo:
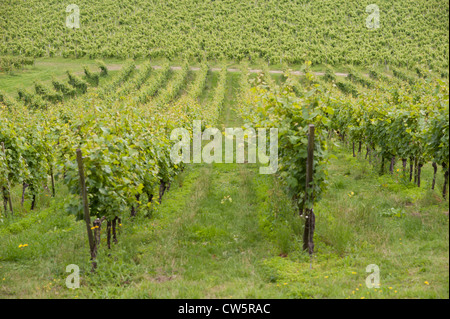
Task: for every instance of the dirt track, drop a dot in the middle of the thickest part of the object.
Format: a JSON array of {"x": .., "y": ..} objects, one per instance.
[{"x": 116, "y": 67}]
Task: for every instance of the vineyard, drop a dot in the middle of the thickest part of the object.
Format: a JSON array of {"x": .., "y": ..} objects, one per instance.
[
  {"x": 87, "y": 176},
  {"x": 414, "y": 33}
]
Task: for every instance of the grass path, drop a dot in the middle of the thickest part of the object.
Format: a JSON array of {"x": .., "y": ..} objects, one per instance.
[{"x": 213, "y": 246}]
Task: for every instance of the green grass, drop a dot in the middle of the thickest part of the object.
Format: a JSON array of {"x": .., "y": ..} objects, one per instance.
[
  {"x": 201, "y": 244},
  {"x": 44, "y": 70},
  {"x": 196, "y": 247}
]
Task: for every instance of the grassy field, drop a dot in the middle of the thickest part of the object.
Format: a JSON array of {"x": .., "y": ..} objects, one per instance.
[
  {"x": 225, "y": 231},
  {"x": 44, "y": 70}
]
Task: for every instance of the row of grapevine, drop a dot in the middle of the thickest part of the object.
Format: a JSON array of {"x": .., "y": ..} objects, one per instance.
[
  {"x": 11, "y": 63},
  {"x": 199, "y": 84},
  {"x": 137, "y": 82},
  {"x": 151, "y": 88},
  {"x": 279, "y": 107},
  {"x": 357, "y": 78},
  {"x": 65, "y": 89},
  {"x": 61, "y": 90},
  {"x": 219, "y": 93},
  {"x": 125, "y": 149},
  {"x": 124, "y": 74},
  {"x": 7, "y": 101},
  {"x": 399, "y": 123},
  {"x": 174, "y": 87},
  {"x": 299, "y": 113},
  {"x": 48, "y": 93},
  {"x": 90, "y": 77},
  {"x": 32, "y": 100}
]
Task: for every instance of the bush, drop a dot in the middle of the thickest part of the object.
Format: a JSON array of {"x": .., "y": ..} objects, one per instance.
[
  {"x": 103, "y": 68},
  {"x": 77, "y": 83},
  {"x": 47, "y": 93},
  {"x": 90, "y": 77},
  {"x": 64, "y": 88}
]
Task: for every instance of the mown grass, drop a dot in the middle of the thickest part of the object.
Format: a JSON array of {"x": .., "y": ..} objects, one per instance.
[{"x": 44, "y": 70}]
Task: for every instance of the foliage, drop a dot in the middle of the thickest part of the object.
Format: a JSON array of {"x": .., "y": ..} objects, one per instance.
[{"x": 411, "y": 32}]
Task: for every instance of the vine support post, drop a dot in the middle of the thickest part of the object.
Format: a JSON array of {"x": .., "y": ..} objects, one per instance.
[
  {"x": 7, "y": 191},
  {"x": 162, "y": 190},
  {"x": 419, "y": 173},
  {"x": 435, "y": 167},
  {"x": 53, "y": 181},
  {"x": 108, "y": 233},
  {"x": 310, "y": 224},
  {"x": 382, "y": 165},
  {"x": 391, "y": 167},
  {"x": 114, "y": 223},
  {"x": 411, "y": 168},
  {"x": 416, "y": 169},
  {"x": 87, "y": 217},
  {"x": 5, "y": 206},
  {"x": 404, "y": 163},
  {"x": 33, "y": 202},
  {"x": 444, "y": 188}
]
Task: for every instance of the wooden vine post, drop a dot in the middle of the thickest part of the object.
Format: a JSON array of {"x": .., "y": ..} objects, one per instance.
[
  {"x": 87, "y": 217},
  {"x": 7, "y": 191},
  {"x": 52, "y": 177},
  {"x": 444, "y": 189},
  {"x": 310, "y": 224}
]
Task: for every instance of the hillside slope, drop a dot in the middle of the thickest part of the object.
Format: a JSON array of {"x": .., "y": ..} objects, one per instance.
[{"x": 333, "y": 32}]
